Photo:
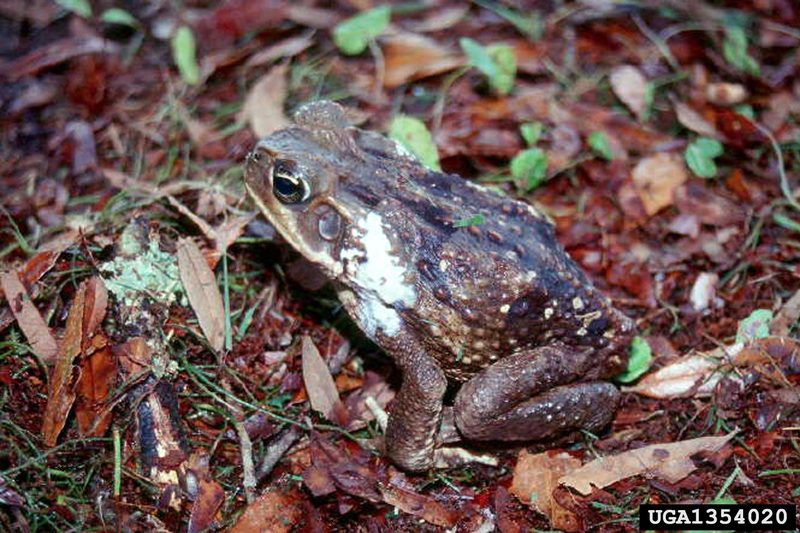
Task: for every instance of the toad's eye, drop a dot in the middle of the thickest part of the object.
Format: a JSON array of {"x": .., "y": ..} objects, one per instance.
[{"x": 287, "y": 185}]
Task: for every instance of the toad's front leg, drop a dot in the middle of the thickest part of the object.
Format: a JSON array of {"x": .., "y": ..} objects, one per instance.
[
  {"x": 414, "y": 420},
  {"x": 534, "y": 395}
]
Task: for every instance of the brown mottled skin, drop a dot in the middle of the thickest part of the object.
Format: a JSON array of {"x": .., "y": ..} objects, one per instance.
[{"x": 497, "y": 306}]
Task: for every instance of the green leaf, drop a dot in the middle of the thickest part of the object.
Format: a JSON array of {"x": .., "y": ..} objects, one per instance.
[
  {"x": 184, "y": 54},
  {"x": 700, "y": 156},
  {"x": 497, "y": 62},
  {"x": 412, "y": 135},
  {"x": 352, "y": 36},
  {"x": 79, "y": 7},
  {"x": 530, "y": 166},
  {"x": 641, "y": 357},
  {"x": 734, "y": 48},
  {"x": 474, "y": 220},
  {"x": 755, "y": 326},
  {"x": 599, "y": 143},
  {"x": 116, "y": 15},
  {"x": 531, "y": 131}
]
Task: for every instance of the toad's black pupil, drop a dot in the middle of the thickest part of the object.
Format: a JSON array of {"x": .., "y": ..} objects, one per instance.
[{"x": 286, "y": 187}]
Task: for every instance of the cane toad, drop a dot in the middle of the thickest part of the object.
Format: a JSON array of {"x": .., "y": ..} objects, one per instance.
[{"x": 454, "y": 281}]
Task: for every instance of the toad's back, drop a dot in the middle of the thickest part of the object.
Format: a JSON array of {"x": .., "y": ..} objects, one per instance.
[{"x": 490, "y": 276}]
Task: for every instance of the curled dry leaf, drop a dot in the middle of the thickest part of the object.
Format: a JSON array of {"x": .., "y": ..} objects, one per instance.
[
  {"x": 207, "y": 501},
  {"x": 656, "y": 178},
  {"x": 87, "y": 311},
  {"x": 695, "y": 374},
  {"x": 410, "y": 57},
  {"x": 97, "y": 378},
  {"x": 536, "y": 477},
  {"x": 419, "y": 505},
  {"x": 263, "y": 105},
  {"x": 669, "y": 461},
  {"x": 203, "y": 292},
  {"x": 630, "y": 86},
  {"x": 28, "y": 317},
  {"x": 320, "y": 387}
]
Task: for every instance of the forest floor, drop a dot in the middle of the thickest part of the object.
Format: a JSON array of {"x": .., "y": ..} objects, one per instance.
[{"x": 156, "y": 338}]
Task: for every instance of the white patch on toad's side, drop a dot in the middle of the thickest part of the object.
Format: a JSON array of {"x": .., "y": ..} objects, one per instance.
[{"x": 379, "y": 278}]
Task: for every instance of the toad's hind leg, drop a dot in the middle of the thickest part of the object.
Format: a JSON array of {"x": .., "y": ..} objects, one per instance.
[{"x": 531, "y": 396}]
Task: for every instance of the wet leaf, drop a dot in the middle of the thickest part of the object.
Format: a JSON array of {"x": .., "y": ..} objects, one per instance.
[
  {"x": 641, "y": 357},
  {"x": 734, "y": 49},
  {"x": 599, "y": 143},
  {"x": 530, "y": 166},
  {"x": 413, "y": 135},
  {"x": 184, "y": 55},
  {"x": 116, "y": 15},
  {"x": 669, "y": 461},
  {"x": 531, "y": 131},
  {"x": 263, "y": 105},
  {"x": 536, "y": 477},
  {"x": 203, "y": 292},
  {"x": 79, "y": 7},
  {"x": 353, "y": 35},
  {"x": 631, "y": 87},
  {"x": 497, "y": 62},
  {"x": 700, "y": 155},
  {"x": 755, "y": 326},
  {"x": 28, "y": 317},
  {"x": 320, "y": 387},
  {"x": 656, "y": 178}
]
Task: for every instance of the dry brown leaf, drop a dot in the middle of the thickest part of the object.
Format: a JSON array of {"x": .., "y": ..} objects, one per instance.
[
  {"x": 695, "y": 374},
  {"x": 419, "y": 505},
  {"x": 28, "y": 317},
  {"x": 263, "y": 105},
  {"x": 440, "y": 19},
  {"x": 694, "y": 121},
  {"x": 320, "y": 387},
  {"x": 656, "y": 178},
  {"x": 97, "y": 377},
  {"x": 536, "y": 477},
  {"x": 410, "y": 57},
  {"x": 788, "y": 314},
  {"x": 273, "y": 511},
  {"x": 630, "y": 86},
  {"x": 286, "y": 48},
  {"x": 88, "y": 310},
  {"x": 228, "y": 231},
  {"x": 207, "y": 501},
  {"x": 669, "y": 461},
  {"x": 203, "y": 292}
]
